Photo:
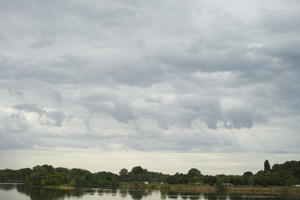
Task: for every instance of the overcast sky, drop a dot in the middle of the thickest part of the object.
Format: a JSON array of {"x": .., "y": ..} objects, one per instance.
[{"x": 165, "y": 84}]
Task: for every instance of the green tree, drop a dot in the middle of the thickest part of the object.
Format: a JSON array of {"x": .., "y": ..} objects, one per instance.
[
  {"x": 123, "y": 172},
  {"x": 138, "y": 170},
  {"x": 267, "y": 166},
  {"x": 194, "y": 172},
  {"x": 248, "y": 173}
]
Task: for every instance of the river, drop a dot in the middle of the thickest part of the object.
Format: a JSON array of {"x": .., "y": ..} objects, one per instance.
[{"x": 20, "y": 192}]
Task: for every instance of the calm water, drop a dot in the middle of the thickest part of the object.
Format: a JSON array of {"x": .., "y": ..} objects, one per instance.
[{"x": 20, "y": 192}]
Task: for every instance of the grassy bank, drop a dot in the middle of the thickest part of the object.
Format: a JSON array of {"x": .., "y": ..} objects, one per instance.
[
  {"x": 258, "y": 190},
  {"x": 270, "y": 190},
  {"x": 59, "y": 187}
]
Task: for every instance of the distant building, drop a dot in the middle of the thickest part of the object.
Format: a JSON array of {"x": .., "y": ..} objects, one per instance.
[{"x": 227, "y": 184}]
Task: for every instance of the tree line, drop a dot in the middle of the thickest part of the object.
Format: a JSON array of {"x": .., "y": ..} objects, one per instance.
[{"x": 284, "y": 174}]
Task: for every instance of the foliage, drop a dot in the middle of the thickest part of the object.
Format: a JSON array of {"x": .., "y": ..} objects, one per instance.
[
  {"x": 267, "y": 166},
  {"x": 123, "y": 172},
  {"x": 220, "y": 187},
  {"x": 284, "y": 174},
  {"x": 193, "y": 176},
  {"x": 248, "y": 173},
  {"x": 9, "y": 175}
]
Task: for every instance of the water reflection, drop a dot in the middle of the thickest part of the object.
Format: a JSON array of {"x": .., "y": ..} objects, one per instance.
[
  {"x": 172, "y": 195},
  {"x": 7, "y": 186},
  {"x": 139, "y": 194},
  {"x": 91, "y": 194},
  {"x": 47, "y": 194},
  {"x": 43, "y": 194},
  {"x": 189, "y": 195},
  {"x": 123, "y": 193}
]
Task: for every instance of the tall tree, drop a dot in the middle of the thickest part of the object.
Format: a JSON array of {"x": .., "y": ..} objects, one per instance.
[
  {"x": 267, "y": 165},
  {"x": 123, "y": 172}
]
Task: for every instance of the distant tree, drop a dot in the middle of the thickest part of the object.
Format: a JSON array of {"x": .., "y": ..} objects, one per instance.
[
  {"x": 220, "y": 187},
  {"x": 284, "y": 174},
  {"x": 123, "y": 172},
  {"x": 138, "y": 170},
  {"x": 250, "y": 180},
  {"x": 248, "y": 173},
  {"x": 267, "y": 166},
  {"x": 194, "y": 172}
]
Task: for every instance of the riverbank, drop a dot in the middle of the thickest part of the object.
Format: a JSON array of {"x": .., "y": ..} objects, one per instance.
[{"x": 241, "y": 190}]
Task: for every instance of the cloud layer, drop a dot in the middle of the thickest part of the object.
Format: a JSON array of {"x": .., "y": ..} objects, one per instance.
[{"x": 196, "y": 76}]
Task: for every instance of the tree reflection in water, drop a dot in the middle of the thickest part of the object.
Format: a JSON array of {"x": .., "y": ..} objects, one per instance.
[
  {"x": 114, "y": 192},
  {"x": 7, "y": 186},
  {"x": 139, "y": 194},
  {"x": 55, "y": 194},
  {"x": 190, "y": 195},
  {"x": 49, "y": 194},
  {"x": 236, "y": 197},
  {"x": 123, "y": 192},
  {"x": 172, "y": 195},
  {"x": 163, "y": 194},
  {"x": 210, "y": 197}
]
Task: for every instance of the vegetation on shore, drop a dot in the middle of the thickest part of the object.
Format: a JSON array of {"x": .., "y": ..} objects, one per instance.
[{"x": 284, "y": 175}]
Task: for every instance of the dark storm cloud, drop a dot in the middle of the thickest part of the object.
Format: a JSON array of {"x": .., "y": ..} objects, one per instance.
[{"x": 149, "y": 76}]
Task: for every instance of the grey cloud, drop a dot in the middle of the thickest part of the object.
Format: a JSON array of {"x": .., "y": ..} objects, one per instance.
[
  {"x": 41, "y": 43},
  {"x": 239, "y": 118},
  {"x": 16, "y": 92},
  {"x": 281, "y": 21},
  {"x": 181, "y": 112},
  {"x": 54, "y": 118},
  {"x": 30, "y": 108},
  {"x": 182, "y": 143},
  {"x": 123, "y": 73},
  {"x": 12, "y": 130}
]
